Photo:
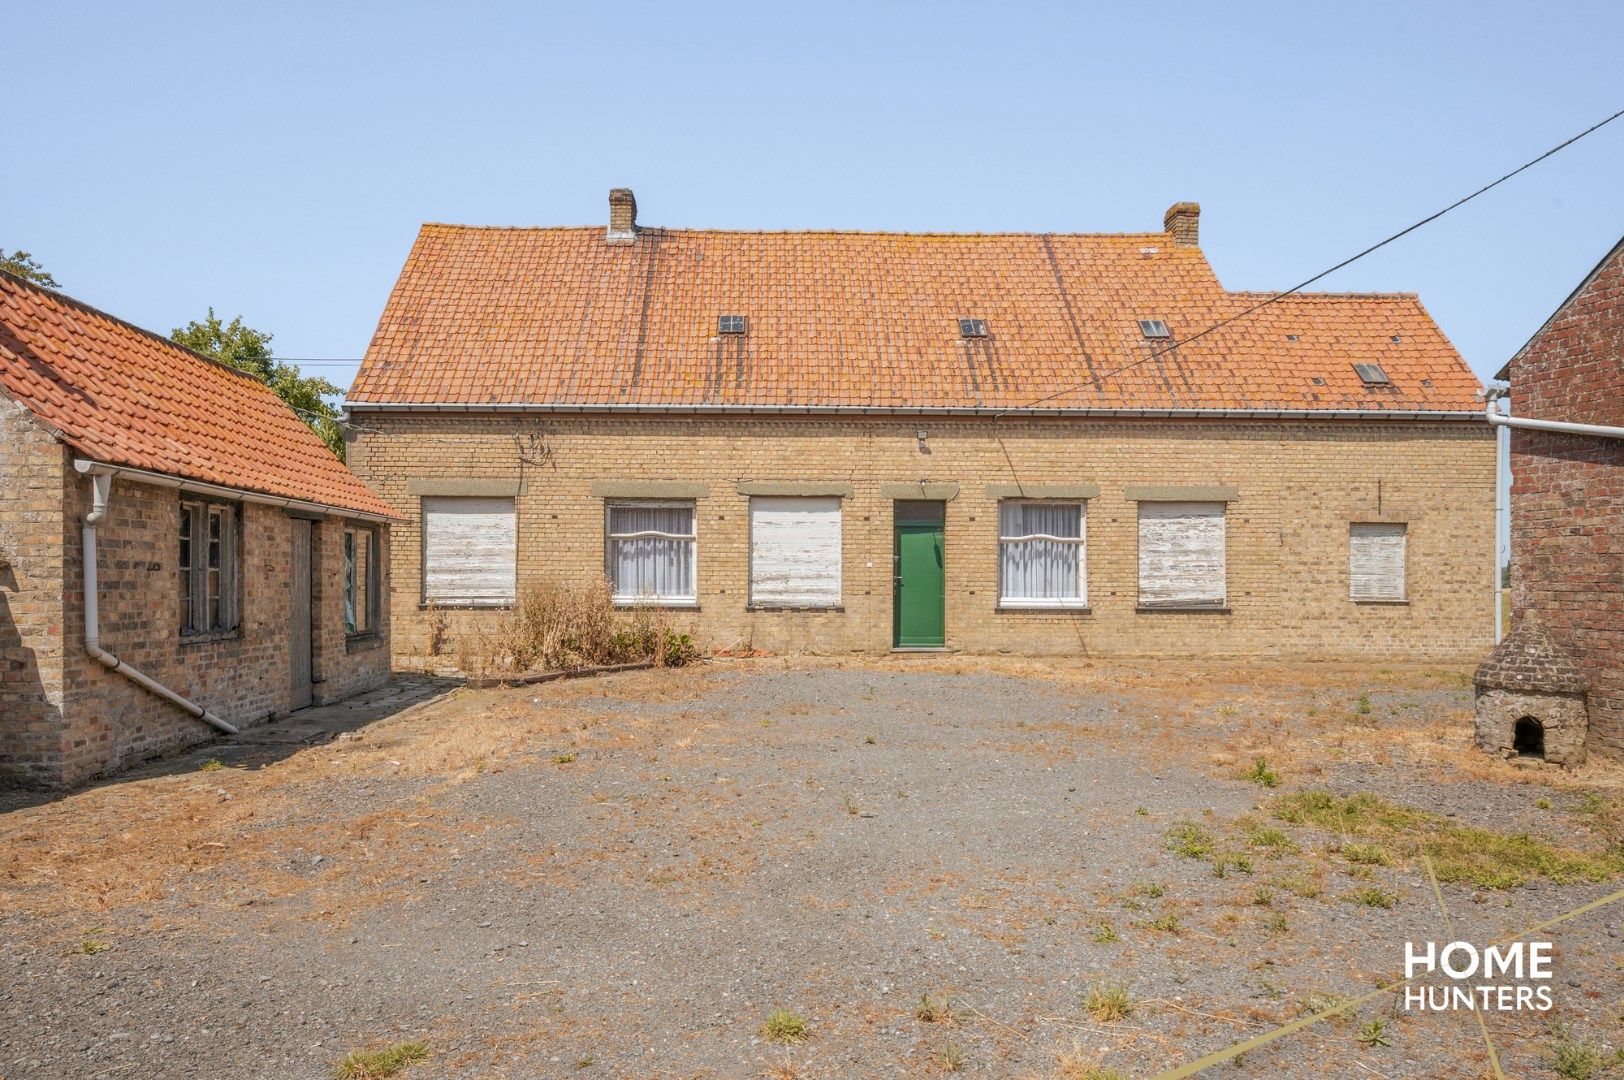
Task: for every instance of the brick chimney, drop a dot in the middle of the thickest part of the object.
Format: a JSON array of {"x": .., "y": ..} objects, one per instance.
[
  {"x": 1183, "y": 221},
  {"x": 622, "y": 216}
]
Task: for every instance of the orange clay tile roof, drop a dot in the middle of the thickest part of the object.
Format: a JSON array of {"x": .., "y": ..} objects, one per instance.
[
  {"x": 121, "y": 395},
  {"x": 870, "y": 320}
]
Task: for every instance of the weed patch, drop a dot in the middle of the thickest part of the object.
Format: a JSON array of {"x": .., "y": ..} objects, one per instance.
[
  {"x": 1190, "y": 840},
  {"x": 379, "y": 1064},
  {"x": 1574, "y": 1058},
  {"x": 1107, "y": 1002},
  {"x": 1481, "y": 857},
  {"x": 1262, "y": 774},
  {"x": 1372, "y": 897},
  {"x": 783, "y": 1026}
]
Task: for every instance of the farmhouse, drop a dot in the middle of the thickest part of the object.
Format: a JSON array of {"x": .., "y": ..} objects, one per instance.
[
  {"x": 1555, "y": 686},
  {"x": 179, "y": 553},
  {"x": 836, "y": 441}
]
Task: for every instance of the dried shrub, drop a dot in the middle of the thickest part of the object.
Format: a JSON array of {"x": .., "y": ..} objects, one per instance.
[{"x": 563, "y": 624}]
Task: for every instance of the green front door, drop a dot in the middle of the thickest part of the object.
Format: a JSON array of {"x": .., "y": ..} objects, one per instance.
[{"x": 919, "y": 616}]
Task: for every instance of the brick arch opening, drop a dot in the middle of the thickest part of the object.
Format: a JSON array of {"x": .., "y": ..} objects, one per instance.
[{"x": 1528, "y": 738}]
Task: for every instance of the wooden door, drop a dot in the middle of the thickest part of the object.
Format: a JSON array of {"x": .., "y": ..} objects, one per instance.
[
  {"x": 919, "y": 600},
  {"x": 299, "y": 629}
]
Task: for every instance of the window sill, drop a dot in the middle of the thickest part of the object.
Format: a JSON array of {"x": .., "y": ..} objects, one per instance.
[
  {"x": 448, "y": 605},
  {"x": 1051, "y": 608},
  {"x": 1382, "y": 603},
  {"x": 1185, "y": 609},
  {"x": 354, "y": 643},
  {"x": 211, "y": 635},
  {"x": 791, "y": 608},
  {"x": 655, "y": 604}
]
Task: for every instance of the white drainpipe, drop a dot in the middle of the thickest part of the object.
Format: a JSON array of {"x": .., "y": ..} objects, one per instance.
[
  {"x": 101, "y": 485},
  {"x": 1500, "y": 420}
]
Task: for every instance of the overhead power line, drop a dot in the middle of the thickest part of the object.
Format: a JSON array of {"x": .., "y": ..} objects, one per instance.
[{"x": 1301, "y": 285}]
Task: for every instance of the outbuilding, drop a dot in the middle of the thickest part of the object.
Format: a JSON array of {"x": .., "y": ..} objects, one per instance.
[{"x": 180, "y": 555}]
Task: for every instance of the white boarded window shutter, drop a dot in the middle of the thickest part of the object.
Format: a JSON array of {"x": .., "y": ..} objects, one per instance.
[
  {"x": 470, "y": 550},
  {"x": 1181, "y": 554},
  {"x": 795, "y": 551},
  {"x": 1376, "y": 561}
]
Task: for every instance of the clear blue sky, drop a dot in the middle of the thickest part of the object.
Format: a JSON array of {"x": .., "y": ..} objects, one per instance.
[{"x": 274, "y": 160}]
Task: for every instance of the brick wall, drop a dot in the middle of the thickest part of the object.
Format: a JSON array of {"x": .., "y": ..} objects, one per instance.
[
  {"x": 344, "y": 665},
  {"x": 1567, "y": 494},
  {"x": 1300, "y": 485},
  {"x": 32, "y": 475},
  {"x": 95, "y": 720}
]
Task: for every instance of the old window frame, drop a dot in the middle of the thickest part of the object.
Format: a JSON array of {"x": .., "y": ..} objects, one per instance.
[
  {"x": 362, "y": 587},
  {"x": 1196, "y": 508},
  {"x": 1008, "y": 542},
  {"x": 809, "y": 600},
  {"x": 208, "y": 561},
  {"x": 613, "y": 540},
  {"x": 429, "y": 596},
  {"x": 1372, "y": 531}
]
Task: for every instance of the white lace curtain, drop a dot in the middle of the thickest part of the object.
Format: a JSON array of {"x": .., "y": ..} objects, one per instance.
[
  {"x": 651, "y": 552},
  {"x": 1041, "y": 550}
]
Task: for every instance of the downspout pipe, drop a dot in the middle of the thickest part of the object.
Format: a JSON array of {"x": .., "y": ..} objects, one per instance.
[
  {"x": 101, "y": 486},
  {"x": 1500, "y": 420}
]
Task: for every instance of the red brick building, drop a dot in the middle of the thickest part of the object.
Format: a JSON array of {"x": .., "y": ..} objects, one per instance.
[
  {"x": 1567, "y": 510},
  {"x": 179, "y": 553}
]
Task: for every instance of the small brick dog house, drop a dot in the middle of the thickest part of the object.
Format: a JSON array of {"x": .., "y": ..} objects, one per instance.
[{"x": 1531, "y": 700}]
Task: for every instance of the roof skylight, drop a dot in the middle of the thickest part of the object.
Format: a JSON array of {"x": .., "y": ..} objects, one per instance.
[
  {"x": 1372, "y": 374},
  {"x": 730, "y": 324},
  {"x": 972, "y": 327},
  {"x": 1154, "y": 328}
]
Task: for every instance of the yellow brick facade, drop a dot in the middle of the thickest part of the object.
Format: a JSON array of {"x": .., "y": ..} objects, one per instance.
[{"x": 1298, "y": 486}]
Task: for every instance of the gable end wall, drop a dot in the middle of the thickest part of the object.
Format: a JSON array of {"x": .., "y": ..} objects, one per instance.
[{"x": 1567, "y": 494}]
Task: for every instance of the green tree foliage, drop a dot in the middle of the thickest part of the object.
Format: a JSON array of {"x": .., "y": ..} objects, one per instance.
[
  {"x": 249, "y": 350},
  {"x": 22, "y": 264}
]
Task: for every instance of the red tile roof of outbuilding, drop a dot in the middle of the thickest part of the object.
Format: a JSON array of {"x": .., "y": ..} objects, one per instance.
[
  {"x": 124, "y": 396},
  {"x": 560, "y": 316}
]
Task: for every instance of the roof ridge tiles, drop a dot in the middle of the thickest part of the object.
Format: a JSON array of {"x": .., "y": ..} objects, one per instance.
[
  {"x": 667, "y": 229},
  {"x": 92, "y": 309}
]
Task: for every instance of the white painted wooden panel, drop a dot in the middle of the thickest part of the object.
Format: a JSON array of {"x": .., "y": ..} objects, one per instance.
[
  {"x": 795, "y": 551},
  {"x": 1376, "y": 561},
  {"x": 1181, "y": 554},
  {"x": 470, "y": 549}
]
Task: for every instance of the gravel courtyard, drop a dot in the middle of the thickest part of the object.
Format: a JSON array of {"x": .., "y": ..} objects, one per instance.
[{"x": 625, "y": 876}]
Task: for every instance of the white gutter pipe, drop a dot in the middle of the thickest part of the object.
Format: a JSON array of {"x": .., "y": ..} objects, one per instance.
[
  {"x": 97, "y": 468},
  {"x": 1500, "y": 420},
  {"x": 907, "y": 410},
  {"x": 101, "y": 485}
]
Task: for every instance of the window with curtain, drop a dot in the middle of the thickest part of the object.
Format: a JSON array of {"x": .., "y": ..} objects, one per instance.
[
  {"x": 208, "y": 567},
  {"x": 651, "y": 551},
  {"x": 1040, "y": 554},
  {"x": 1181, "y": 555},
  {"x": 1376, "y": 561}
]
